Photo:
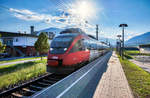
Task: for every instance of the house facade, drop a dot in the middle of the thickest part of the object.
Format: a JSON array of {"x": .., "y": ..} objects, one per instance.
[
  {"x": 22, "y": 44},
  {"x": 19, "y": 44}
]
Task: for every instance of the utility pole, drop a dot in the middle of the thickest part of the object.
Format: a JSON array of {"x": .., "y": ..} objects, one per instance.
[
  {"x": 97, "y": 31},
  {"x": 123, "y": 25}
]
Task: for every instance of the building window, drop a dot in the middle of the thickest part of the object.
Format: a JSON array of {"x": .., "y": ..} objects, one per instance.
[{"x": 16, "y": 39}]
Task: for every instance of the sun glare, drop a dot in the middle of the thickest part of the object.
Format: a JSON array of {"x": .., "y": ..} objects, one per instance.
[{"x": 83, "y": 9}]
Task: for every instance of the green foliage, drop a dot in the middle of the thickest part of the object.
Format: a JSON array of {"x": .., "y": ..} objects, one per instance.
[
  {"x": 13, "y": 74},
  {"x": 2, "y": 47},
  {"x": 136, "y": 52},
  {"x": 138, "y": 79},
  {"x": 42, "y": 45}
]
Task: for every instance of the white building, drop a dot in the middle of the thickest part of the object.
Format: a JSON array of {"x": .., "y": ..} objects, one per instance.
[
  {"x": 22, "y": 44},
  {"x": 144, "y": 48},
  {"x": 19, "y": 44}
]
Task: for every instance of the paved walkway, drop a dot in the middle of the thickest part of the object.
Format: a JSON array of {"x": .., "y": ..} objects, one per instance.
[
  {"x": 143, "y": 65},
  {"x": 113, "y": 83},
  {"x": 13, "y": 58},
  {"x": 17, "y": 62}
]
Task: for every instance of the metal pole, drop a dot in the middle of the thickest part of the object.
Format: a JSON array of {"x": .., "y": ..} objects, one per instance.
[
  {"x": 122, "y": 48},
  {"x": 122, "y": 42},
  {"x": 97, "y": 32}
]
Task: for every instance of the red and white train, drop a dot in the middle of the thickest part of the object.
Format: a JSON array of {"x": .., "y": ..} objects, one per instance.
[{"x": 72, "y": 48}]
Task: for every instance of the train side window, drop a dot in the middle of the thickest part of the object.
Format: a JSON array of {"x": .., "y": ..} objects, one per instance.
[
  {"x": 83, "y": 44},
  {"x": 77, "y": 47}
]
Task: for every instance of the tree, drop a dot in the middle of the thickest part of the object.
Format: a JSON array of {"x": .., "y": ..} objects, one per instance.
[
  {"x": 2, "y": 47},
  {"x": 42, "y": 44}
]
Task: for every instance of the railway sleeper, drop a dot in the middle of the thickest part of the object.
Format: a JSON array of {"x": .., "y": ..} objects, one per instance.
[
  {"x": 55, "y": 79},
  {"x": 52, "y": 81},
  {"x": 47, "y": 81},
  {"x": 18, "y": 95},
  {"x": 36, "y": 87},
  {"x": 24, "y": 92},
  {"x": 44, "y": 84},
  {"x": 29, "y": 90}
]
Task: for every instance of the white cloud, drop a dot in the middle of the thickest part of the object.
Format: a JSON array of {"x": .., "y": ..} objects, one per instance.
[
  {"x": 30, "y": 15},
  {"x": 65, "y": 19}
]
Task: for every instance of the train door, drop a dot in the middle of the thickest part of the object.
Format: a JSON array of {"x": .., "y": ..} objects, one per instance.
[{"x": 85, "y": 51}]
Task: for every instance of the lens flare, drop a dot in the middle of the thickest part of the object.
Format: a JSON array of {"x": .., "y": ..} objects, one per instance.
[{"x": 83, "y": 9}]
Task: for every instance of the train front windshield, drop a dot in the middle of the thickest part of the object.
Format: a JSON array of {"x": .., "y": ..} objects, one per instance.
[{"x": 60, "y": 44}]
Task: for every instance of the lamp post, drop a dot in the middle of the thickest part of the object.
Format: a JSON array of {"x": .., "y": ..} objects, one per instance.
[
  {"x": 119, "y": 45},
  {"x": 123, "y": 26}
]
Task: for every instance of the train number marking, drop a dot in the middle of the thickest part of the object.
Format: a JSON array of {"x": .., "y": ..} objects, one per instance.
[{"x": 54, "y": 57}]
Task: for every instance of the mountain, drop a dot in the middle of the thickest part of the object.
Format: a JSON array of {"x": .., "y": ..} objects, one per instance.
[
  {"x": 112, "y": 41},
  {"x": 138, "y": 40},
  {"x": 56, "y": 31}
]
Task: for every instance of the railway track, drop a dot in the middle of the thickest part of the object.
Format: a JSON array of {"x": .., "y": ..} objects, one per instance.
[{"x": 32, "y": 87}]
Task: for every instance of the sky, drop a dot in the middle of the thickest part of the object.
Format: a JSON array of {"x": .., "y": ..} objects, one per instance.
[{"x": 19, "y": 15}]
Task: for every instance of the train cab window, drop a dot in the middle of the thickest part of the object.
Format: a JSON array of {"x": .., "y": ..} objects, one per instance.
[{"x": 60, "y": 44}]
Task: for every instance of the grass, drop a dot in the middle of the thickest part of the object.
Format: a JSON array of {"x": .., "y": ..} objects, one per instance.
[
  {"x": 132, "y": 52},
  {"x": 138, "y": 79},
  {"x": 128, "y": 56},
  {"x": 14, "y": 74},
  {"x": 20, "y": 59},
  {"x": 135, "y": 52}
]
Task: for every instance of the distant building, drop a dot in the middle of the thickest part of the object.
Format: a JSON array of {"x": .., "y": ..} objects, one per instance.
[
  {"x": 50, "y": 35},
  {"x": 51, "y": 32},
  {"x": 19, "y": 44},
  {"x": 132, "y": 48},
  {"x": 145, "y": 48},
  {"x": 22, "y": 44}
]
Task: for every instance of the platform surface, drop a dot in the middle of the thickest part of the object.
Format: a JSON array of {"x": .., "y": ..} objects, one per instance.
[{"x": 113, "y": 83}]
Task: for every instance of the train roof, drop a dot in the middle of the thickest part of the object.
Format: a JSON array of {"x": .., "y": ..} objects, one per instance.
[
  {"x": 91, "y": 36},
  {"x": 72, "y": 30},
  {"x": 68, "y": 34}
]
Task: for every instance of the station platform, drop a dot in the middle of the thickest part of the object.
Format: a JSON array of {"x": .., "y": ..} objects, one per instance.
[{"x": 113, "y": 83}]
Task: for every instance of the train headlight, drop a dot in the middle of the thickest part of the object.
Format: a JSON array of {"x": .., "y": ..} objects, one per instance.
[
  {"x": 51, "y": 49},
  {"x": 65, "y": 49},
  {"x": 86, "y": 49}
]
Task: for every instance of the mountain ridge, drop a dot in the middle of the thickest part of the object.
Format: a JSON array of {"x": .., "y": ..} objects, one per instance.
[{"x": 138, "y": 40}]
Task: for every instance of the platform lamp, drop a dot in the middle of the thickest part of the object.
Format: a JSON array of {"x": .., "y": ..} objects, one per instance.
[
  {"x": 123, "y": 26},
  {"x": 119, "y": 36}
]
